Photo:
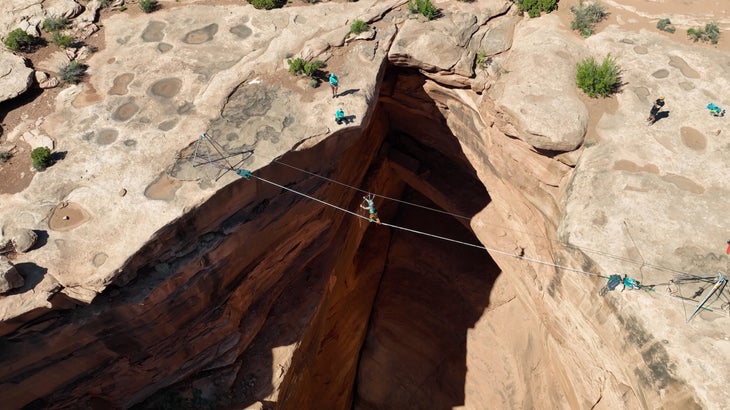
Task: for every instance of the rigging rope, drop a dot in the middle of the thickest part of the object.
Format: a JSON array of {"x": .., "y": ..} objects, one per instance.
[
  {"x": 587, "y": 250},
  {"x": 642, "y": 263},
  {"x": 366, "y": 192},
  {"x": 433, "y": 235}
]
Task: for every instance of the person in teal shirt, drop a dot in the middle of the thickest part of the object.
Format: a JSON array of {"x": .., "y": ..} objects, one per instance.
[
  {"x": 334, "y": 83},
  {"x": 340, "y": 116},
  {"x": 369, "y": 205}
]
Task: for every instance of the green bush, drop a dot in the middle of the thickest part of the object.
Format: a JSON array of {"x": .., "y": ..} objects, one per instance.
[
  {"x": 300, "y": 66},
  {"x": 534, "y": 7},
  {"x": 148, "y": 6},
  {"x": 19, "y": 40},
  {"x": 41, "y": 157},
  {"x": 104, "y": 3},
  {"x": 267, "y": 4},
  {"x": 595, "y": 80},
  {"x": 585, "y": 17},
  {"x": 72, "y": 73},
  {"x": 52, "y": 24},
  {"x": 311, "y": 68},
  {"x": 296, "y": 66},
  {"x": 358, "y": 26},
  {"x": 713, "y": 32},
  {"x": 666, "y": 25},
  {"x": 425, "y": 7},
  {"x": 710, "y": 33},
  {"x": 5, "y": 156},
  {"x": 482, "y": 60},
  {"x": 62, "y": 40}
]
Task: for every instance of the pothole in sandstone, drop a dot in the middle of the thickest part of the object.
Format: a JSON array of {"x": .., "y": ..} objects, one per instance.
[
  {"x": 125, "y": 111},
  {"x": 202, "y": 35},
  {"x": 120, "y": 84},
  {"x": 154, "y": 31},
  {"x": 66, "y": 216},
  {"x": 693, "y": 138},
  {"x": 106, "y": 136},
  {"x": 163, "y": 188},
  {"x": 166, "y": 87}
]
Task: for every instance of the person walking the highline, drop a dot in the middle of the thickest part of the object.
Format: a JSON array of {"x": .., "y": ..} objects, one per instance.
[{"x": 369, "y": 205}]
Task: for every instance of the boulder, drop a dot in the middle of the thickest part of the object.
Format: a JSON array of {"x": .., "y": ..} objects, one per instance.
[
  {"x": 46, "y": 81},
  {"x": 29, "y": 14},
  {"x": 62, "y": 8},
  {"x": 9, "y": 277},
  {"x": 22, "y": 239},
  {"x": 15, "y": 77},
  {"x": 539, "y": 94},
  {"x": 430, "y": 46},
  {"x": 35, "y": 139}
]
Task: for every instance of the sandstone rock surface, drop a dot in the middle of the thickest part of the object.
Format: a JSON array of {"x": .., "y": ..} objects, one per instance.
[
  {"x": 15, "y": 77},
  {"x": 539, "y": 92},
  {"x": 281, "y": 299},
  {"x": 9, "y": 277},
  {"x": 22, "y": 239}
]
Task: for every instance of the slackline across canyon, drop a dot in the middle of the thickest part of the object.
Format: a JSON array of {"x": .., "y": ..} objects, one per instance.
[{"x": 222, "y": 155}]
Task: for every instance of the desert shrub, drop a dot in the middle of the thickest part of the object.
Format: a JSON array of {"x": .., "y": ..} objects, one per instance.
[
  {"x": 585, "y": 17},
  {"x": 19, "y": 40},
  {"x": 425, "y": 7},
  {"x": 72, "y": 73},
  {"x": 41, "y": 157},
  {"x": 104, "y": 3},
  {"x": 595, "y": 79},
  {"x": 482, "y": 61},
  {"x": 267, "y": 4},
  {"x": 148, "y": 6},
  {"x": 535, "y": 7},
  {"x": 62, "y": 40},
  {"x": 358, "y": 26},
  {"x": 710, "y": 33},
  {"x": 300, "y": 66},
  {"x": 311, "y": 68},
  {"x": 665, "y": 25},
  {"x": 296, "y": 65},
  {"x": 52, "y": 24},
  {"x": 313, "y": 83},
  {"x": 695, "y": 33},
  {"x": 5, "y": 156}
]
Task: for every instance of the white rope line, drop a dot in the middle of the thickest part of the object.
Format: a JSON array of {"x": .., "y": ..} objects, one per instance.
[
  {"x": 584, "y": 249},
  {"x": 311, "y": 197},
  {"x": 432, "y": 235},
  {"x": 375, "y": 195}
]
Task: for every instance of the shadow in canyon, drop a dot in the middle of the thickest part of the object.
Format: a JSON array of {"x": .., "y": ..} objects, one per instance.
[
  {"x": 432, "y": 292},
  {"x": 248, "y": 295}
]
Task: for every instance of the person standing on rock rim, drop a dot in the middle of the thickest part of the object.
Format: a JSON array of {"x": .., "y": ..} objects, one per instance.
[
  {"x": 334, "y": 83},
  {"x": 658, "y": 104},
  {"x": 370, "y": 206}
]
